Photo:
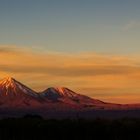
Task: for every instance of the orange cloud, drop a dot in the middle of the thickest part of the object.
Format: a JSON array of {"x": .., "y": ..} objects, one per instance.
[{"x": 97, "y": 75}]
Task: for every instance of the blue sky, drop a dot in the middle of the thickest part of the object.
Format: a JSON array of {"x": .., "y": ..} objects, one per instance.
[
  {"x": 89, "y": 46},
  {"x": 108, "y": 26}
]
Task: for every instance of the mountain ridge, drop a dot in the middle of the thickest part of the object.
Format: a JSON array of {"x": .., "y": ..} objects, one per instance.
[{"x": 16, "y": 98}]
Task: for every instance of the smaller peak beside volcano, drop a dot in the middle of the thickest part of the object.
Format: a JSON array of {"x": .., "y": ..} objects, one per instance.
[
  {"x": 63, "y": 90},
  {"x": 65, "y": 95},
  {"x": 59, "y": 92}
]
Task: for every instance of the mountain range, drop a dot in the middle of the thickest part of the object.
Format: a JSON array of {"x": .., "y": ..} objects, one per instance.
[{"x": 17, "y": 99}]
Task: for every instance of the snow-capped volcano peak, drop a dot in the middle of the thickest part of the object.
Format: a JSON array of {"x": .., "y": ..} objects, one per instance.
[
  {"x": 7, "y": 79},
  {"x": 8, "y": 82},
  {"x": 9, "y": 86}
]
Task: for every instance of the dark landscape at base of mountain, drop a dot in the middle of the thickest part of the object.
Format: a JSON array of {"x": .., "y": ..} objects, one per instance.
[
  {"x": 35, "y": 128},
  {"x": 17, "y": 100},
  {"x": 62, "y": 114}
]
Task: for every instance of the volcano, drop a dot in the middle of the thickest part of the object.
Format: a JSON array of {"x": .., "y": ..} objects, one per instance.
[
  {"x": 15, "y": 94},
  {"x": 17, "y": 99}
]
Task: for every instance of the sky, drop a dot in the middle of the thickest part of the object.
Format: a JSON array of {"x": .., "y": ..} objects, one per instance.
[{"x": 90, "y": 46}]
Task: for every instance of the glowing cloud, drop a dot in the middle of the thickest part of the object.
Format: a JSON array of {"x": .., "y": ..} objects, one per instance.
[{"x": 106, "y": 77}]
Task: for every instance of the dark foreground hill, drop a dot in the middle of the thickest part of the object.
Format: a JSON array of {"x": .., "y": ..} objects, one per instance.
[{"x": 35, "y": 128}]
